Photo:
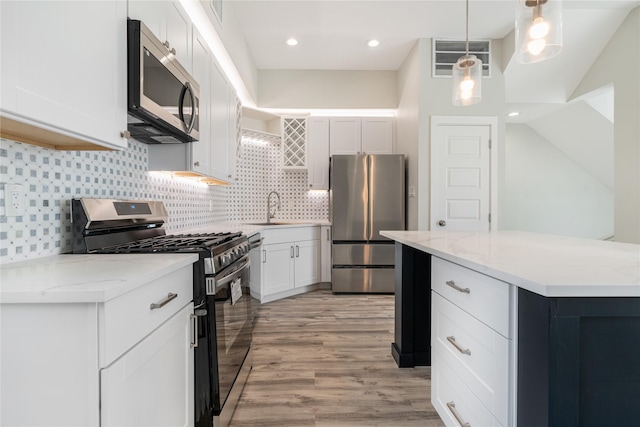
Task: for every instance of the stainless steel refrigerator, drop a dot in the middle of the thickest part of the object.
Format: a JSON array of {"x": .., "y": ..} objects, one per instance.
[{"x": 367, "y": 195}]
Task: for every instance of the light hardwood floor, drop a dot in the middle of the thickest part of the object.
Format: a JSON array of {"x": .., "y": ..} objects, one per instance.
[{"x": 325, "y": 360}]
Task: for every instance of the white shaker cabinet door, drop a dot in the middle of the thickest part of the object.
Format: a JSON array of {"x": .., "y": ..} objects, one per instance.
[
  {"x": 377, "y": 135},
  {"x": 307, "y": 256},
  {"x": 219, "y": 117},
  {"x": 345, "y": 135},
  {"x": 318, "y": 149},
  {"x": 64, "y": 69},
  {"x": 277, "y": 267},
  {"x": 201, "y": 150},
  {"x": 150, "y": 384},
  {"x": 325, "y": 253}
]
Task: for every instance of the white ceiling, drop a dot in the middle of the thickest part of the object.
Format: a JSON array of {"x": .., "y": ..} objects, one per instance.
[{"x": 332, "y": 35}]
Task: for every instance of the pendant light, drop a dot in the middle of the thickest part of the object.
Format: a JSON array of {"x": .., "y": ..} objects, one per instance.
[
  {"x": 538, "y": 30},
  {"x": 467, "y": 75}
]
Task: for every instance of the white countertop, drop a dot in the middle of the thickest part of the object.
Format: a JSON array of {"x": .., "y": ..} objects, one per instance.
[
  {"x": 78, "y": 278},
  {"x": 549, "y": 265},
  {"x": 253, "y": 228}
]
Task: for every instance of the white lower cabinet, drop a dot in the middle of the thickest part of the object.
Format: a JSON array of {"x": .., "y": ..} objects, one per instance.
[
  {"x": 114, "y": 363},
  {"x": 471, "y": 346},
  {"x": 290, "y": 262},
  {"x": 325, "y": 253},
  {"x": 151, "y": 384}
]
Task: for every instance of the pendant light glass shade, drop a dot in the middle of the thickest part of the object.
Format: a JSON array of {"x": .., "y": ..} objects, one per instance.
[
  {"x": 467, "y": 81},
  {"x": 467, "y": 74},
  {"x": 538, "y": 30}
]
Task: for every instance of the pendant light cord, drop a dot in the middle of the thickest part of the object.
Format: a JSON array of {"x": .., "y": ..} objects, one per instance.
[{"x": 467, "y": 29}]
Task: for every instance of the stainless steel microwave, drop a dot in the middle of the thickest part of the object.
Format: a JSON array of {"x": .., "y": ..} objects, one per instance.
[{"x": 162, "y": 97}]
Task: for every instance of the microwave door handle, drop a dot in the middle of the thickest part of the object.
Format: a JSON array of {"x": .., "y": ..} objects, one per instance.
[{"x": 192, "y": 122}]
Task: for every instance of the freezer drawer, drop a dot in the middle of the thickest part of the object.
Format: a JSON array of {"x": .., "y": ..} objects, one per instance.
[
  {"x": 363, "y": 280},
  {"x": 363, "y": 254}
]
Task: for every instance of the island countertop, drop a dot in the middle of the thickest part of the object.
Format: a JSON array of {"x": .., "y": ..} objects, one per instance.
[{"x": 549, "y": 265}]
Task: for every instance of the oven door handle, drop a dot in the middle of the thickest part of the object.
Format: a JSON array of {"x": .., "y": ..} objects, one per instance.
[
  {"x": 255, "y": 243},
  {"x": 243, "y": 264}
]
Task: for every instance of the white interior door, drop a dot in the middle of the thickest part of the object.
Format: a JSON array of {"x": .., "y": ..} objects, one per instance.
[{"x": 461, "y": 176}]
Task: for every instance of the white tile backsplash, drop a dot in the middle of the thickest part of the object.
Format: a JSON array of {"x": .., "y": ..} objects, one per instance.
[{"x": 52, "y": 178}]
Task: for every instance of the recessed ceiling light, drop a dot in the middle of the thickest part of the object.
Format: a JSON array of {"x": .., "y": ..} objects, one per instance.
[
  {"x": 373, "y": 43},
  {"x": 513, "y": 114},
  {"x": 292, "y": 42}
]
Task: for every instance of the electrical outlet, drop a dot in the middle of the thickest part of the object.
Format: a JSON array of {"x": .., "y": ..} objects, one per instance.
[{"x": 14, "y": 199}]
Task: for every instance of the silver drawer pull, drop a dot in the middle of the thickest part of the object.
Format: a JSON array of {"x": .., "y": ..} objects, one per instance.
[
  {"x": 452, "y": 407},
  {"x": 458, "y": 288},
  {"x": 194, "y": 318},
  {"x": 452, "y": 340},
  {"x": 164, "y": 302}
]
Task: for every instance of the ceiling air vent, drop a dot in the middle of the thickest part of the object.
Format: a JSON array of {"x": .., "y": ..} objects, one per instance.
[{"x": 447, "y": 52}]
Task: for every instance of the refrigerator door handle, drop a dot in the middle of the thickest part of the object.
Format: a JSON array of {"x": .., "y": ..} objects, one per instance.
[{"x": 369, "y": 181}]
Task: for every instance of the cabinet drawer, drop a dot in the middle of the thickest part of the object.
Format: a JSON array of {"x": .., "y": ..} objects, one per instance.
[
  {"x": 448, "y": 388},
  {"x": 484, "y": 297},
  {"x": 124, "y": 321},
  {"x": 478, "y": 354}
]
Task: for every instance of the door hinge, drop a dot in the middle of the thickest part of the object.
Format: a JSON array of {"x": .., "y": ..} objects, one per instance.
[
  {"x": 489, "y": 217},
  {"x": 489, "y": 144}
]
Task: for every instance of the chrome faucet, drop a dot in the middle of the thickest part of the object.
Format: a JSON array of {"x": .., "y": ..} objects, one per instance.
[{"x": 278, "y": 206}]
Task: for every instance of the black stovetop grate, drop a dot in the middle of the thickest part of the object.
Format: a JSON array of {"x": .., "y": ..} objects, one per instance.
[{"x": 174, "y": 243}]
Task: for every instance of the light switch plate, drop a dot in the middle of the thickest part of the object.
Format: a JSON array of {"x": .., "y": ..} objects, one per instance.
[{"x": 14, "y": 199}]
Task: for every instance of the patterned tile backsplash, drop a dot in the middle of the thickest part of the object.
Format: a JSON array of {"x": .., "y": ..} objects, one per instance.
[{"x": 50, "y": 179}]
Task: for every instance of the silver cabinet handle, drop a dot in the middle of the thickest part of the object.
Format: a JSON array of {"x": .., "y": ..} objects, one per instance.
[
  {"x": 164, "y": 302},
  {"x": 292, "y": 254},
  {"x": 166, "y": 44},
  {"x": 194, "y": 318},
  {"x": 452, "y": 340},
  {"x": 452, "y": 407},
  {"x": 198, "y": 311},
  {"x": 297, "y": 251},
  {"x": 264, "y": 256},
  {"x": 328, "y": 236},
  {"x": 458, "y": 288}
]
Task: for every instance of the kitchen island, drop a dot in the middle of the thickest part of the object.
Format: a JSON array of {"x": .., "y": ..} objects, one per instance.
[{"x": 521, "y": 328}]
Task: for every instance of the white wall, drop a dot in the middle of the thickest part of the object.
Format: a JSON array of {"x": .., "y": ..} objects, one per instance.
[
  {"x": 332, "y": 89},
  {"x": 619, "y": 63},
  {"x": 407, "y": 127},
  {"x": 547, "y": 192}
]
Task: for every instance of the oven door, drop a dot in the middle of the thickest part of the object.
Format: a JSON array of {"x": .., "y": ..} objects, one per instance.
[{"x": 234, "y": 316}]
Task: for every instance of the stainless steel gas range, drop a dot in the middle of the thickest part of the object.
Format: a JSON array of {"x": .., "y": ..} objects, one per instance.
[{"x": 221, "y": 292}]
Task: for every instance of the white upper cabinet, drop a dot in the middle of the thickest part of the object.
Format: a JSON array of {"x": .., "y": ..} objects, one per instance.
[
  {"x": 168, "y": 21},
  {"x": 345, "y": 135},
  {"x": 294, "y": 143},
  {"x": 377, "y": 135},
  {"x": 201, "y": 150},
  {"x": 64, "y": 73},
  {"x": 318, "y": 140},
  {"x": 220, "y": 132},
  {"x": 361, "y": 135},
  {"x": 235, "y": 134}
]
